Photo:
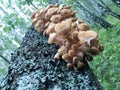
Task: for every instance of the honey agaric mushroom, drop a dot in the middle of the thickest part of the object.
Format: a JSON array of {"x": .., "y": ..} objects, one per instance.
[
  {"x": 66, "y": 57},
  {"x": 62, "y": 50},
  {"x": 67, "y": 7},
  {"x": 80, "y": 55},
  {"x": 66, "y": 13},
  {"x": 38, "y": 23},
  {"x": 87, "y": 36},
  {"x": 71, "y": 53},
  {"x": 50, "y": 12},
  {"x": 69, "y": 65},
  {"x": 83, "y": 48},
  {"x": 73, "y": 36},
  {"x": 51, "y": 28},
  {"x": 94, "y": 51},
  {"x": 34, "y": 20},
  {"x": 56, "y": 18},
  {"x": 78, "y": 64},
  {"x": 83, "y": 27},
  {"x": 101, "y": 47},
  {"x": 52, "y": 38},
  {"x": 63, "y": 28},
  {"x": 57, "y": 56},
  {"x": 33, "y": 15}
]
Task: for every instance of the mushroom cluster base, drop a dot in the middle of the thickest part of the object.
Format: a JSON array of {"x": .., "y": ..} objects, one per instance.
[{"x": 74, "y": 37}]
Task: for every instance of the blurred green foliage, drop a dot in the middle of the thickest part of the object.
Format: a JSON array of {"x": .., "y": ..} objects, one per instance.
[{"x": 15, "y": 20}]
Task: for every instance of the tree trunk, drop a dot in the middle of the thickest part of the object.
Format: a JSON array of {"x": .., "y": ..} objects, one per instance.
[{"x": 33, "y": 68}]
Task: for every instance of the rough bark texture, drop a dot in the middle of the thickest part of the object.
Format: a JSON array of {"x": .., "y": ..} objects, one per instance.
[{"x": 33, "y": 68}]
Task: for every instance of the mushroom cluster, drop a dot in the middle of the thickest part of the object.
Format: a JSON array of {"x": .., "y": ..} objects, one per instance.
[{"x": 74, "y": 37}]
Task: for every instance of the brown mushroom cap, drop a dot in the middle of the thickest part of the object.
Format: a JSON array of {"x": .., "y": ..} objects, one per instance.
[
  {"x": 62, "y": 50},
  {"x": 51, "y": 11},
  {"x": 34, "y": 20},
  {"x": 80, "y": 65},
  {"x": 50, "y": 6},
  {"x": 87, "y": 36},
  {"x": 74, "y": 47},
  {"x": 56, "y": 18},
  {"x": 73, "y": 13},
  {"x": 63, "y": 28},
  {"x": 101, "y": 47},
  {"x": 75, "y": 35},
  {"x": 67, "y": 58},
  {"x": 69, "y": 65},
  {"x": 80, "y": 55},
  {"x": 71, "y": 53},
  {"x": 67, "y": 7},
  {"x": 94, "y": 51},
  {"x": 94, "y": 42},
  {"x": 83, "y": 49},
  {"x": 57, "y": 56},
  {"x": 75, "y": 59},
  {"x": 89, "y": 56},
  {"x": 51, "y": 28},
  {"x": 39, "y": 25},
  {"x": 52, "y": 38},
  {"x": 66, "y": 12},
  {"x": 83, "y": 27}
]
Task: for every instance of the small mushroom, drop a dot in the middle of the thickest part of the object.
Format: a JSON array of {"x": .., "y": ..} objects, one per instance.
[
  {"x": 71, "y": 53},
  {"x": 74, "y": 47},
  {"x": 75, "y": 61},
  {"x": 80, "y": 65},
  {"x": 62, "y": 50},
  {"x": 57, "y": 56},
  {"x": 88, "y": 57},
  {"x": 94, "y": 42},
  {"x": 67, "y": 58},
  {"x": 50, "y": 12},
  {"x": 83, "y": 27},
  {"x": 50, "y": 6},
  {"x": 73, "y": 13},
  {"x": 52, "y": 38},
  {"x": 56, "y": 18},
  {"x": 75, "y": 35},
  {"x": 63, "y": 28},
  {"x": 87, "y": 36},
  {"x": 47, "y": 24},
  {"x": 34, "y": 20},
  {"x": 51, "y": 28},
  {"x": 83, "y": 49},
  {"x": 39, "y": 25},
  {"x": 79, "y": 21},
  {"x": 80, "y": 55},
  {"x": 67, "y": 7},
  {"x": 94, "y": 51},
  {"x": 69, "y": 65},
  {"x": 40, "y": 14},
  {"x": 66, "y": 13},
  {"x": 101, "y": 47}
]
